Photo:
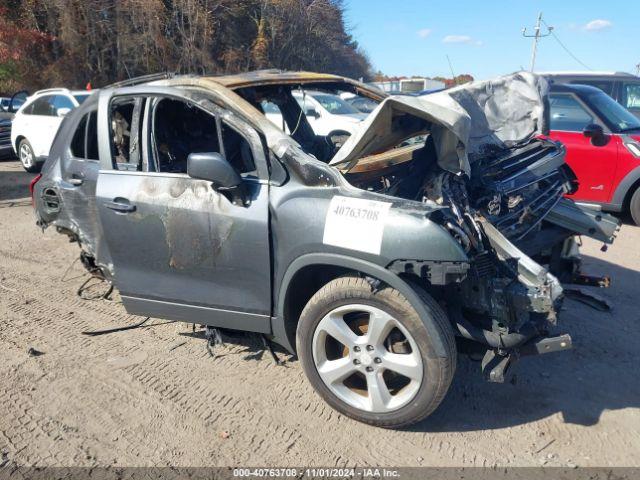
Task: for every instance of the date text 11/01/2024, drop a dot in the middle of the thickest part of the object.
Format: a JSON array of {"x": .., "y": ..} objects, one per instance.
[{"x": 316, "y": 472}]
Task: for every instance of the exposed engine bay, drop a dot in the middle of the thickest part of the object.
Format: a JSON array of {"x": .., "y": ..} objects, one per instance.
[{"x": 503, "y": 201}]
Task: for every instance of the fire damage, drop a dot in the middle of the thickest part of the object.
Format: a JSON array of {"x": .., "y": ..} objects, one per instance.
[
  {"x": 460, "y": 195},
  {"x": 504, "y": 203}
]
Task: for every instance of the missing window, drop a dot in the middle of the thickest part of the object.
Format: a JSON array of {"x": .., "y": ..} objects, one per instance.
[
  {"x": 181, "y": 128},
  {"x": 84, "y": 144},
  {"x": 125, "y": 134}
]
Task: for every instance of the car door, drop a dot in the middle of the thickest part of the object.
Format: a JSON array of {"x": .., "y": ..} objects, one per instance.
[
  {"x": 79, "y": 165},
  {"x": 594, "y": 164},
  {"x": 180, "y": 248}
]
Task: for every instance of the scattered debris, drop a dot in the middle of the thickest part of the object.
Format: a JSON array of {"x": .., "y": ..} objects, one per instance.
[
  {"x": 269, "y": 346},
  {"x": 173, "y": 347},
  {"x": 545, "y": 445},
  {"x": 214, "y": 339},
  {"x": 93, "y": 333},
  {"x": 225, "y": 434}
]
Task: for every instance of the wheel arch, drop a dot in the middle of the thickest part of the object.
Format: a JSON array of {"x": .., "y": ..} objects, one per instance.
[
  {"x": 626, "y": 204},
  {"x": 626, "y": 187},
  {"x": 19, "y": 138},
  {"x": 309, "y": 271}
]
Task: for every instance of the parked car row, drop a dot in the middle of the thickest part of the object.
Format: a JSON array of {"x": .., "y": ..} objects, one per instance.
[{"x": 8, "y": 108}]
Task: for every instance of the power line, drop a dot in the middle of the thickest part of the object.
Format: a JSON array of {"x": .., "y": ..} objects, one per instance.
[{"x": 565, "y": 48}]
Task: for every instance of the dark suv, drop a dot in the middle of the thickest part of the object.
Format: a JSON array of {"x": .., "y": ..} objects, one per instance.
[
  {"x": 424, "y": 233},
  {"x": 623, "y": 87}
]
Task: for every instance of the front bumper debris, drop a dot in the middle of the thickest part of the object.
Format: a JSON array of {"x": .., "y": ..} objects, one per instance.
[{"x": 496, "y": 366}]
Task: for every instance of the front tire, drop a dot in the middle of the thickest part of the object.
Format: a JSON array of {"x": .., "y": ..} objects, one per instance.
[
  {"x": 371, "y": 357},
  {"x": 634, "y": 206},
  {"x": 27, "y": 157}
]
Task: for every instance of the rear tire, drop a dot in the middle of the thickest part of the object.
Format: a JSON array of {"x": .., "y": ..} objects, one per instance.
[
  {"x": 27, "y": 157},
  {"x": 383, "y": 370},
  {"x": 634, "y": 206}
]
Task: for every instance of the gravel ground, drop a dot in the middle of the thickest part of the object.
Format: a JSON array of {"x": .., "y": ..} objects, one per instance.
[{"x": 153, "y": 396}]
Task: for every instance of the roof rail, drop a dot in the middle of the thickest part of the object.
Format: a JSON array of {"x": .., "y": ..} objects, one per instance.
[
  {"x": 142, "y": 79},
  {"x": 51, "y": 90}
]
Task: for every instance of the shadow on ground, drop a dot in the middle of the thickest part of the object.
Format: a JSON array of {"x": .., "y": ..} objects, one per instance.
[
  {"x": 15, "y": 182},
  {"x": 601, "y": 372},
  {"x": 254, "y": 349}
]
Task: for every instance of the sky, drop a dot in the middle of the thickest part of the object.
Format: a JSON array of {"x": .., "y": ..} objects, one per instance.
[{"x": 484, "y": 37}]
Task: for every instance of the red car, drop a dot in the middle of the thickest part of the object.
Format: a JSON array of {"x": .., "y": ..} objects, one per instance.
[{"x": 603, "y": 147}]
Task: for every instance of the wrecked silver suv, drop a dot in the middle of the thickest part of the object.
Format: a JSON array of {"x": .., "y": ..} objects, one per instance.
[{"x": 439, "y": 226}]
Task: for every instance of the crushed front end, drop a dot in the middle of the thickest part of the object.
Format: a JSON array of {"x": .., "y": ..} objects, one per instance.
[
  {"x": 479, "y": 152},
  {"x": 519, "y": 232}
]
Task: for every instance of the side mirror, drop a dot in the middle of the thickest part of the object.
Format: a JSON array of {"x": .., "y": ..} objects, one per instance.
[
  {"x": 212, "y": 166},
  {"x": 596, "y": 134},
  {"x": 592, "y": 131},
  {"x": 312, "y": 112},
  {"x": 61, "y": 112}
]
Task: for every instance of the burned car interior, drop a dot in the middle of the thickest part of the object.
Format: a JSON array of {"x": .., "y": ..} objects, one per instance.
[
  {"x": 281, "y": 100},
  {"x": 175, "y": 129}
]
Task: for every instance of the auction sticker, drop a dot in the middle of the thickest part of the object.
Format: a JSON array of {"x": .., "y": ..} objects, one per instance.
[{"x": 355, "y": 224}]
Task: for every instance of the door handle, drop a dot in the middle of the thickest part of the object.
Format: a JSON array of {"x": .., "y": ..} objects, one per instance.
[
  {"x": 122, "y": 206},
  {"x": 76, "y": 181}
]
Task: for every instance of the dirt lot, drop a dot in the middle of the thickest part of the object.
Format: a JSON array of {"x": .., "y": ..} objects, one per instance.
[{"x": 153, "y": 396}]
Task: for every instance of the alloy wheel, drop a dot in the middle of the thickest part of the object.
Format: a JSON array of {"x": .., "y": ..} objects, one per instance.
[
  {"x": 367, "y": 358},
  {"x": 26, "y": 156}
]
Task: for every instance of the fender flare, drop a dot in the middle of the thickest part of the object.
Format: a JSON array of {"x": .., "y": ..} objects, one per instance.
[
  {"x": 278, "y": 323},
  {"x": 624, "y": 187}
]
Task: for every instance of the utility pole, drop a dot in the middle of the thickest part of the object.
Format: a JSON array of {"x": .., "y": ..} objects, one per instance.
[
  {"x": 536, "y": 36},
  {"x": 453, "y": 75}
]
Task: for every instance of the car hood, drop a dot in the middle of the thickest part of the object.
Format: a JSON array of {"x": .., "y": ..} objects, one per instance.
[{"x": 467, "y": 122}]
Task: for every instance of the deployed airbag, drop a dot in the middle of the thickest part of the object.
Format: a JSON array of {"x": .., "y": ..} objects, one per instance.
[{"x": 466, "y": 122}]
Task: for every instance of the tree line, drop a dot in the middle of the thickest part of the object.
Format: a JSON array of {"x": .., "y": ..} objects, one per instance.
[{"x": 71, "y": 43}]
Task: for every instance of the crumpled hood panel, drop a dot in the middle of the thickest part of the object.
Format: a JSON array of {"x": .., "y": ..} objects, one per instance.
[{"x": 466, "y": 122}]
